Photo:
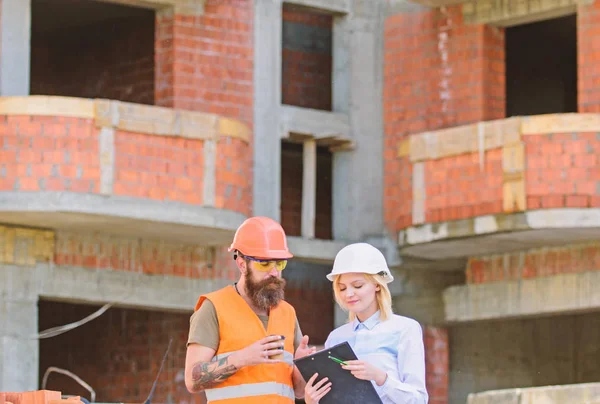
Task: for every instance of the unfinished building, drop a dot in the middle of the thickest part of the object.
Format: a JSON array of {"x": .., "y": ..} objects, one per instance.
[{"x": 459, "y": 137}]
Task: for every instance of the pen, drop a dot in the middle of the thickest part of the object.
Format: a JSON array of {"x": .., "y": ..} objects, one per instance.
[{"x": 341, "y": 362}]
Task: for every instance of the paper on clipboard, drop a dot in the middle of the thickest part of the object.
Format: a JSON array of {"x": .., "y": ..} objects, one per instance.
[{"x": 345, "y": 388}]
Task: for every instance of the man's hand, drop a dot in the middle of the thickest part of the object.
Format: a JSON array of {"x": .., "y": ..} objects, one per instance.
[
  {"x": 303, "y": 349},
  {"x": 366, "y": 371},
  {"x": 259, "y": 352}
]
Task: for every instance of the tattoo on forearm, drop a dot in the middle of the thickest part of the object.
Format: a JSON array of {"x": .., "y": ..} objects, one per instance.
[{"x": 206, "y": 375}]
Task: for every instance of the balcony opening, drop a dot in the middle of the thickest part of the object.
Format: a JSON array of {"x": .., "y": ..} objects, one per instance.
[
  {"x": 307, "y": 39},
  {"x": 92, "y": 49},
  {"x": 532, "y": 352},
  {"x": 541, "y": 67},
  {"x": 292, "y": 195},
  {"x": 118, "y": 354}
]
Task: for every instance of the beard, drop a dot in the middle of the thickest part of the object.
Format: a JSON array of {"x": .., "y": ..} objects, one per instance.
[{"x": 266, "y": 293}]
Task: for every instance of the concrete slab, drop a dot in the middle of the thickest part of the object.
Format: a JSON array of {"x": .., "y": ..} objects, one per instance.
[
  {"x": 120, "y": 215},
  {"x": 558, "y": 294},
  {"x": 83, "y": 285},
  {"x": 500, "y": 233}
]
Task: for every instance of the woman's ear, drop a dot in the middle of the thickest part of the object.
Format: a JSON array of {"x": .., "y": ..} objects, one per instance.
[{"x": 377, "y": 288}]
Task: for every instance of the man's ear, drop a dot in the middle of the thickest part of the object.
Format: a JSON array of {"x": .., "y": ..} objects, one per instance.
[{"x": 241, "y": 264}]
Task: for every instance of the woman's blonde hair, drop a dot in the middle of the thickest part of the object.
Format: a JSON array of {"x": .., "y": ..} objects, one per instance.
[{"x": 382, "y": 296}]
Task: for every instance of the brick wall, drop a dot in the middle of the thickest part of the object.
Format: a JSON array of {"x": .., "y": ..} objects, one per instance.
[
  {"x": 118, "y": 354},
  {"x": 48, "y": 154},
  {"x": 533, "y": 263},
  {"x": 291, "y": 188},
  {"x": 62, "y": 154},
  {"x": 459, "y": 187},
  {"x": 306, "y": 58},
  {"x": 234, "y": 175},
  {"x": 588, "y": 72},
  {"x": 113, "y": 60},
  {"x": 143, "y": 256},
  {"x": 205, "y": 63},
  {"x": 436, "y": 364},
  {"x": 160, "y": 168},
  {"x": 562, "y": 170},
  {"x": 438, "y": 73}
]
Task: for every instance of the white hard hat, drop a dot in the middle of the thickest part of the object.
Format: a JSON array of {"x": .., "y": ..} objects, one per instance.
[{"x": 361, "y": 258}]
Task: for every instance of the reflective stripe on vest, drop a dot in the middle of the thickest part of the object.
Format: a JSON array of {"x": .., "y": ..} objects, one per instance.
[
  {"x": 287, "y": 357},
  {"x": 249, "y": 390}
]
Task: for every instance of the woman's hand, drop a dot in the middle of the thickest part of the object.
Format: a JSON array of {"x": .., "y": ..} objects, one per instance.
[
  {"x": 366, "y": 371},
  {"x": 312, "y": 394}
]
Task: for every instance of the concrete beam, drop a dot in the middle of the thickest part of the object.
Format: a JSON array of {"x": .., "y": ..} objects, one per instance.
[
  {"x": 499, "y": 233},
  {"x": 267, "y": 108},
  {"x": 15, "y": 47},
  {"x": 394, "y": 7},
  {"x": 558, "y": 294},
  {"x": 315, "y": 123},
  {"x": 327, "y": 6},
  {"x": 314, "y": 250},
  {"x": 185, "y": 7},
  {"x": 120, "y": 215},
  {"x": 83, "y": 285}
]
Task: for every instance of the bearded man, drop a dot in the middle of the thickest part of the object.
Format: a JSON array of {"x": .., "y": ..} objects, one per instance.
[{"x": 243, "y": 338}]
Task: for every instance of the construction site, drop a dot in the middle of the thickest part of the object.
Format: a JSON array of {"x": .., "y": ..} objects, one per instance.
[{"x": 459, "y": 137}]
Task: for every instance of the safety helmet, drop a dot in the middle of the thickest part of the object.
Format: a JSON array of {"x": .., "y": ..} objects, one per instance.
[
  {"x": 261, "y": 237},
  {"x": 361, "y": 258}
]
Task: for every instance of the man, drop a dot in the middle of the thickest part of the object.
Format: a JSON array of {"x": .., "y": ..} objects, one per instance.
[{"x": 243, "y": 338}]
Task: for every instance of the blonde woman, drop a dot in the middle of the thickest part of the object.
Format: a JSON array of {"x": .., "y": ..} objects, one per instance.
[{"x": 389, "y": 347}]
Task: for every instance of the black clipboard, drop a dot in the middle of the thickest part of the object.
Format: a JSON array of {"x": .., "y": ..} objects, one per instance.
[{"x": 345, "y": 388}]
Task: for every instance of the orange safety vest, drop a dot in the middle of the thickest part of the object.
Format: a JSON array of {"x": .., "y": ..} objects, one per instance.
[{"x": 239, "y": 327}]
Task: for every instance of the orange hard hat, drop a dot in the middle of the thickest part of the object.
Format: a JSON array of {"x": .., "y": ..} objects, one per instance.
[{"x": 261, "y": 237}]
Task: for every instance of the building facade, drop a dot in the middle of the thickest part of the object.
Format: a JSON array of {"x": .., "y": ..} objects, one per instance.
[{"x": 460, "y": 138}]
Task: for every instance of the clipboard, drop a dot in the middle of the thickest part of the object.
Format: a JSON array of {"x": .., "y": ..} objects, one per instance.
[{"x": 345, "y": 388}]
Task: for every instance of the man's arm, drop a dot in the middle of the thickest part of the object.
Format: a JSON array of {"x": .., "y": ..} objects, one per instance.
[{"x": 201, "y": 372}]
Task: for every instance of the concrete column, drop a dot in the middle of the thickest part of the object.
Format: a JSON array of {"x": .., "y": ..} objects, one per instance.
[
  {"x": 358, "y": 81},
  {"x": 19, "y": 354},
  {"x": 309, "y": 188},
  {"x": 15, "y": 47},
  {"x": 267, "y": 105}
]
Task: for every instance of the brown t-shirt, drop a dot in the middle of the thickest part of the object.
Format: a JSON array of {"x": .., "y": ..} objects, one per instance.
[{"x": 204, "y": 327}]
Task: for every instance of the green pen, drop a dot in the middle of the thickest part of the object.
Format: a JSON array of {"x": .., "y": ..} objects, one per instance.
[{"x": 341, "y": 362}]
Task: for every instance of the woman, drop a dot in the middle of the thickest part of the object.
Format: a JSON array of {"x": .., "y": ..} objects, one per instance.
[{"x": 389, "y": 347}]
